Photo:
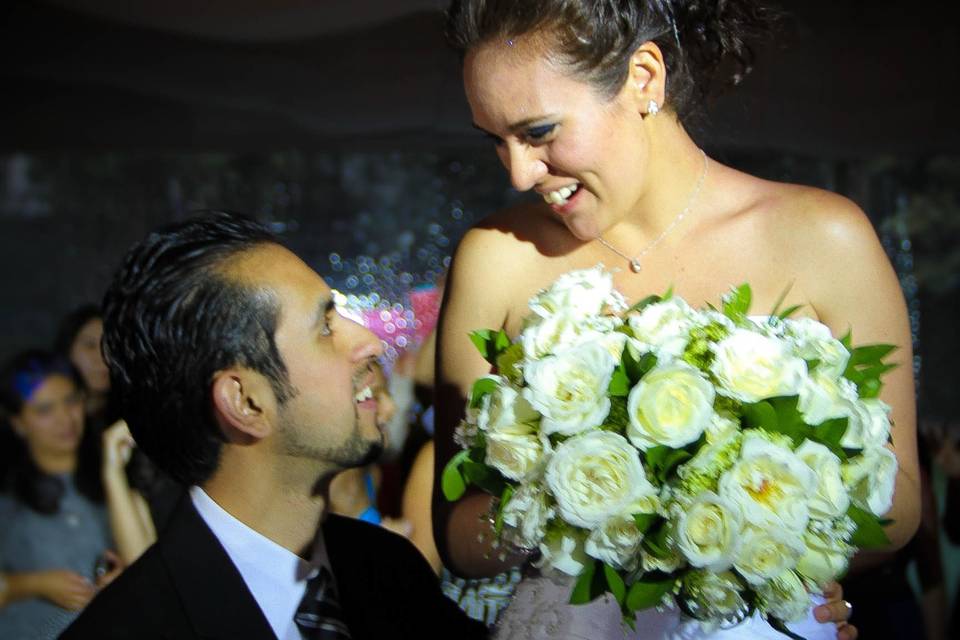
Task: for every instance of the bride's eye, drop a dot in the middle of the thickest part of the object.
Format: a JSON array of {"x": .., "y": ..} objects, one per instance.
[{"x": 541, "y": 132}]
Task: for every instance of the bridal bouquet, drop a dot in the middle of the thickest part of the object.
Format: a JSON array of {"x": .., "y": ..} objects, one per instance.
[{"x": 719, "y": 461}]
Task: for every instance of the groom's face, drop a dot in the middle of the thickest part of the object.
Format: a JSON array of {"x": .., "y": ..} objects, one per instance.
[{"x": 332, "y": 414}]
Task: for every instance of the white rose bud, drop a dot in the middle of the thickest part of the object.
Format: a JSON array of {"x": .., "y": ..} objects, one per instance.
[
  {"x": 526, "y": 516},
  {"x": 823, "y": 398},
  {"x": 871, "y": 421},
  {"x": 713, "y": 595},
  {"x": 708, "y": 532},
  {"x": 824, "y": 559},
  {"x": 765, "y": 554},
  {"x": 555, "y": 334},
  {"x": 563, "y": 551},
  {"x": 830, "y": 499},
  {"x": 583, "y": 292},
  {"x": 672, "y": 405},
  {"x": 596, "y": 476},
  {"x": 871, "y": 477},
  {"x": 784, "y": 597},
  {"x": 663, "y": 327},
  {"x": 616, "y": 542},
  {"x": 770, "y": 484},
  {"x": 506, "y": 411},
  {"x": 751, "y": 367},
  {"x": 514, "y": 456},
  {"x": 570, "y": 389},
  {"x": 813, "y": 341}
]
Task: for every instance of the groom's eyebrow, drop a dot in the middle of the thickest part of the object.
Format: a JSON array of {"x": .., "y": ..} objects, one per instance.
[{"x": 324, "y": 307}]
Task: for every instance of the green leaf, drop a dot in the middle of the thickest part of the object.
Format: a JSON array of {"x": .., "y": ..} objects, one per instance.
[
  {"x": 485, "y": 477},
  {"x": 482, "y": 387},
  {"x": 662, "y": 460},
  {"x": 655, "y": 542},
  {"x": 507, "y": 363},
  {"x": 736, "y": 303},
  {"x": 649, "y": 591},
  {"x": 847, "y": 340},
  {"x": 617, "y": 418},
  {"x": 789, "y": 311},
  {"x": 869, "y": 354},
  {"x": 830, "y": 433},
  {"x": 780, "y": 626},
  {"x": 869, "y": 533},
  {"x": 452, "y": 481},
  {"x": 646, "y": 302},
  {"x": 581, "y": 590},
  {"x": 504, "y": 501},
  {"x": 619, "y": 383},
  {"x": 615, "y": 583},
  {"x": 645, "y": 521},
  {"x": 490, "y": 343},
  {"x": 785, "y": 418},
  {"x": 760, "y": 415}
]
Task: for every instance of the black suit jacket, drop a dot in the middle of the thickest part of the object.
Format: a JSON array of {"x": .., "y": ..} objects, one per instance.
[{"x": 185, "y": 586}]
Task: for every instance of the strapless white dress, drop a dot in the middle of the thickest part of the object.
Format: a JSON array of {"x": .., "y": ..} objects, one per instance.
[{"x": 539, "y": 610}]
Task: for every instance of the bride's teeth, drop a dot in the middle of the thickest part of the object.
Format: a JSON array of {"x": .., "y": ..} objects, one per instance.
[{"x": 561, "y": 195}]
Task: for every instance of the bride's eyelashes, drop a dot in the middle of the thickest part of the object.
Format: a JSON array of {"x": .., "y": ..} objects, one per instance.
[{"x": 540, "y": 132}]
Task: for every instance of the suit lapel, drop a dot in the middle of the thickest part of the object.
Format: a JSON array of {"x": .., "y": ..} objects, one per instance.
[{"x": 213, "y": 593}]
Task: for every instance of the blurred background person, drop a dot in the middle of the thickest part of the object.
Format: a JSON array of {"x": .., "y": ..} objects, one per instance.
[{"x": 63, "y": 513}]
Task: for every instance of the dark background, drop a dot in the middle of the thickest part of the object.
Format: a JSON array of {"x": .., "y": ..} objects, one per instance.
[{"x": 342, "y": 123}]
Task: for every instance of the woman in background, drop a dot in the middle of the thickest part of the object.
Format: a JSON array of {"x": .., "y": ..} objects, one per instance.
[{"x": 58, "y": 537}]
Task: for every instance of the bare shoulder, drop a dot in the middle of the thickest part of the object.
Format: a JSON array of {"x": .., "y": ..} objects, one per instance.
[{"x": 811, "y": 219}]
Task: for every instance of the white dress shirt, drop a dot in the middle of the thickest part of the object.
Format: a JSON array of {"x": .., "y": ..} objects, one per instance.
[{"x": 276, "y": 577}]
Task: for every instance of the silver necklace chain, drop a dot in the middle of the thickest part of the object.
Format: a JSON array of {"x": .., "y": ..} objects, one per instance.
[{"x": 634, "y": 261}]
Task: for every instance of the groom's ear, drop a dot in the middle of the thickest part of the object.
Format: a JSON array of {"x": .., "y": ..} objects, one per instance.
[{"x": 244, "y": 404}]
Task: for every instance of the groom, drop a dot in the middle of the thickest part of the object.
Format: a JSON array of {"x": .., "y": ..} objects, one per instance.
[{"x": 239, "y": 378}]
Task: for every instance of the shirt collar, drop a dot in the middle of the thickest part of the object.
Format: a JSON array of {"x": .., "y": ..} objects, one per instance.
[{"x": 275, "y": 576}]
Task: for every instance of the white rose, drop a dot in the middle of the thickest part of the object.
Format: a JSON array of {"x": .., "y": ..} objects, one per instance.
[
  {"x": 570, "y": 389},
  {"x": 596, "y": 476},
  {"x": 526, "y": 516},
  {"x": 672, "y": 405},
  {"x": 871, "y": 424},
  {"x": 824, "y": 560},
  {"x": 555, "y": 334},
  {"x": 506, "y": 411},
  {"x": 784, "y": 597},
  {"x": 769, "y": 484},
  {"x": 708, "y": 532},
  {"x": 563, "y": 551},
  {"x": 751, "y": 367},
  {"x": 824, "y": 397},
  {"x": 871, "y": 477},
  {"x": 812, "y": 340},
  {"x": 514, "y": 456},
  {"x": 766, "y": 553},
  {"x": 582, "y": 293},
  {"x": 830, "y": 499},
  {"x": 616, "y": 542},
  {"x": 711, "y": 595},
  {"x": 663, "y": 327}
]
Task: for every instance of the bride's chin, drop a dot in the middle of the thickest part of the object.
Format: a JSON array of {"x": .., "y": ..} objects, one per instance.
[{"x": 582, "y": 229}]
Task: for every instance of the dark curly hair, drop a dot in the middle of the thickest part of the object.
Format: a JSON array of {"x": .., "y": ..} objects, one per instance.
[
  {"x": 172, "y": 318},
  {"x": 596, "y": 38}
]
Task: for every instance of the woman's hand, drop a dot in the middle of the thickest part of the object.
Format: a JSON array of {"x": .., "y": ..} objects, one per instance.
[
  {"x": 64, "y": 588},
  {"x": 118, "y": 446},
  {"x": 116, "y": 567},
  {"x": 836, "y": 610}
]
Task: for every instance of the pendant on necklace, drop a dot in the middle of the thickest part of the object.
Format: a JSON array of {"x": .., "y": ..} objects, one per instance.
[{"x": 635, "y": 265}]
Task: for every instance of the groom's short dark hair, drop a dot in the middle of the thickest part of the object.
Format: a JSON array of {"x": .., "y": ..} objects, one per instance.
[{"x": 174, "y": 316}]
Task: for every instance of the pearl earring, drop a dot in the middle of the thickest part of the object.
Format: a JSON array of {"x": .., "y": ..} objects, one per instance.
[{"x": 653, "y": 108}]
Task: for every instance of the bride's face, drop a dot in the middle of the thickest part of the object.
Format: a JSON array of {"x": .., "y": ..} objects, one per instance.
[{"x": 554, "y": 133}]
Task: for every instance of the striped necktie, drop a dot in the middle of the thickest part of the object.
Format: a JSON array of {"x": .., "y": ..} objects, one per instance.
[{"x": 319, "y": 616}]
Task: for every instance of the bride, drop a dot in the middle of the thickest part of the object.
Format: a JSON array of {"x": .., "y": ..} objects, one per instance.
[{"x": 585, "y": 102}]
